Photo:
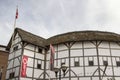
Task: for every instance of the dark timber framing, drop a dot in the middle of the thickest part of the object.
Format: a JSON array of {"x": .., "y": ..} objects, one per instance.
[{"x": 68, "y": 39}]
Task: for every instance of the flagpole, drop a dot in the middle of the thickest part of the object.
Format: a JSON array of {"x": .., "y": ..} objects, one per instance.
[
  {"x": 12, "y": 42},
  {"x": 16, "y": 16}
]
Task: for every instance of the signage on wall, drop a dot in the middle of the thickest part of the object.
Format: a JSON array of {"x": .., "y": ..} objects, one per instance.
[{"x": 24, "y": 66}]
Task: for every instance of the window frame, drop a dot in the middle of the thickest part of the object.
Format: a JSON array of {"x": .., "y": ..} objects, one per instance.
[
  {"x": 11, "y": 75},
  {"x": 91, "y": 63},
  {"x": 39, "y": 66},
  {"x": 76, "y": 64},
  {"x": 105, "y": 63},
  {"x": 118, "y": 63}
]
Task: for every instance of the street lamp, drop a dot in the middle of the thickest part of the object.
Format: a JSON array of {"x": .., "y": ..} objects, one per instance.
[
  {"x": 1, "y": 73},
  {"x": 62, "y": 68}
]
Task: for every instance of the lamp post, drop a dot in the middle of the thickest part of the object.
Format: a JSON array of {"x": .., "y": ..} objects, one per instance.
[
  {"x": 1, "y": 73},
  {"x": 62, "y": 68}
]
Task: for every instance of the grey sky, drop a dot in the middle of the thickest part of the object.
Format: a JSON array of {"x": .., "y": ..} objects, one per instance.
[{"x": 51, "y": 17}]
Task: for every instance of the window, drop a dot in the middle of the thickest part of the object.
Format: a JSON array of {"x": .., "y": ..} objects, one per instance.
[
  {"x": 118, "y": 63},
  {"x": 15, "y": 48},
  {"x": 91, "y": 63},
  {"x": 105, "y": 63},
  {"x": 39, "y": 50},
  {"x": 11, "y": 75},
  {"x": 39, "y": 66},
  {"x": 76, "y": 64}
]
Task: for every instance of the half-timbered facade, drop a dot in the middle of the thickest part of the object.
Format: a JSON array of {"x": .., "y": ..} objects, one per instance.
[
  {"x": 26, "y": 55},
  {"x": 89, "y": 55}
]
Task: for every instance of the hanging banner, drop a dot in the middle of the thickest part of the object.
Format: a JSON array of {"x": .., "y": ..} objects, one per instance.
[
  {"x": 52, "y": 50},
  {"x": 24, "y": 66}
]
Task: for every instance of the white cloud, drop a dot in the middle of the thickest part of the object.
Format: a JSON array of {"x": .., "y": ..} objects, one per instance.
[{"x": 50, "y": 17}]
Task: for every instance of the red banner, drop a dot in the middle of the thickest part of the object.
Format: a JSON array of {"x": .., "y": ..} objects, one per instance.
[{"x": 24, "y": 66}]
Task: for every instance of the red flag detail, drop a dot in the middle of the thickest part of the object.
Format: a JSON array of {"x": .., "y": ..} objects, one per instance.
[
  {"x": 16, "y": 14},
  {"x": 52, "y": 57},
  {"x": 24, "y": 66}
]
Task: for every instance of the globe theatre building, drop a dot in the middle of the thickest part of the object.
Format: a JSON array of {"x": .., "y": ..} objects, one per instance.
[{"x": 88, "y": 55}]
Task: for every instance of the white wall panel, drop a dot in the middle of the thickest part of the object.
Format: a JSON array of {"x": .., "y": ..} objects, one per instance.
[
  {"x": 115, "y": 52},
  {"x": 29, "y": 72},
  {"x": 62, "y": 47},
  {"x": 28, "y": 53},
  {"x": 89, "y": 52},
  {"x": 67, "y": 62},
  {"x": 90, "y": 70},
  {"x": 81, "y": 61},
  {"x": 114, "y": 45},
  {"x": 25, "y": 79},
  {"x": 109, "y": 71},
  {"x": 10, "y": 65},
  {"x": 17, "y": 40},
  {"x": 31, "y": 47},
  {"x": 11, "y": 56},
  {"x": 78, "y": 71},
  {"x": 76, "y": 53},
  {"x": 100, "y": 61},
  {"x": 19, "y": 46},
  {"x": 37, "y": 72},
  {"x": 77, "y": 45},
  {"x": 104, "y": 52},
  {"x": 39, "y": 56},
  {"x": 17, "y": 71},
  {"x": 86, "y": 61},
  {"x": 58, "y": 63},
  {"x": 42, "y": 65},
  {"x": 47, "y": 65},
  {"x": 62, "y": 54},
  {"x": 72, "y": 61},
  {"x": 117, "y": 78},
  {"x": 18, "y": 52},
  {"x": 10, "y": 71},
  {"x": 51, "y": 73},
  {"x": 114, "y": 61},
  {"x": 104, "y": 44},
  {"x": 16, "y": 62},
  {"x": 48, "y": 57},
  {"x": 35, "y": 63},
  {"x": 87, "y": 78},
  {"x": 17, "y": 35},
  {"x": 95, "y": 61},
  {"x": 117, "y": 71},
  {"x": 30, "y": 62},
  {"x": 109, "y": 60},
  {"x": 95, "y": 78},
  {"x": 65, "y": 79},
  {"x": 88, "y": 45},
  {"x": 7, "y": 74}
]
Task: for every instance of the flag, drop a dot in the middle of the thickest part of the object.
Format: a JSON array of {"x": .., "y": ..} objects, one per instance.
[
  {"x": 52, "y": 51},
  {"x": 16, "y": 17},
  {"x": 24, "y": 66}
]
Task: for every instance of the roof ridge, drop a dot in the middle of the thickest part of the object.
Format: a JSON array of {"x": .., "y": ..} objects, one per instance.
[{"x": 29, "y": 32}]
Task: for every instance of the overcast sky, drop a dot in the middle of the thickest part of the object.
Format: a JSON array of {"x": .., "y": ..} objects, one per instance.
[{"x": 51, "y": 17}]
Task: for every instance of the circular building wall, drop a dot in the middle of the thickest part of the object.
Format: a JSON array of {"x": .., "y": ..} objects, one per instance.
[{"x": 89, "y": 55}]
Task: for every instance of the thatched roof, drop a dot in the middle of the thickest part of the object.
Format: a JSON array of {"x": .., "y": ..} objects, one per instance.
[
  {"x": 84, "y": 36},
  {"x": 67, "y": 37},
  {"x": 29, "y": 38}
]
